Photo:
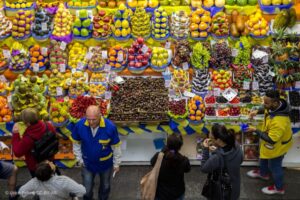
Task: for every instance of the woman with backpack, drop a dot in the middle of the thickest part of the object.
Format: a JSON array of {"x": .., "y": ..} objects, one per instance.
[
  {"x": 34, "y": 132},
  {"x": 226, "y": 157},
  {"x": 170, "y": 184}
]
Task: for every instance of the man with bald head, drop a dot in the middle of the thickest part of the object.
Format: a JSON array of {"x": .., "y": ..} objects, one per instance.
[{"x": 99, "y": 151}]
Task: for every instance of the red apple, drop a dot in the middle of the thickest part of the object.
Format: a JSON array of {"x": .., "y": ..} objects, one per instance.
[
  {"x": 106, "y": 19},
  {"x": 139, "y": 57},
  {"x": 131, "y": 64},
  {"x": 96, "y": 26},
  {"x": 146, "y": 56},
  {"x": 138, "y": 65},
  {"x": 95, "y": 34},
  {"x": 140, "y": 40},
  {"x": 131, "y": 51},
  {"x": 105, "y": 27},
  {"x": 144, "y": 62},
  {"x": 131, "y": 58}
]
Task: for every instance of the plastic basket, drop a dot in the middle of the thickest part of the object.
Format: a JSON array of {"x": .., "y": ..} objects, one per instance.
[
  {"x": 135, "y": 70},
  {"x": 273, "y": 9}
]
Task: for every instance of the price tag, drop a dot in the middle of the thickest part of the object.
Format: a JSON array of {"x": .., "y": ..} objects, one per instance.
[
  {"x": 297, "y": 84},
  {"x": 66, "y": 98},
  {"x": 271, "y": 73},
  {"x": 167, "y": 83},
  {"x": 73, "y": 70},
  {"x": 266, "y": 59},
  {"x": 59, "y": 91},
  {"x": 168, "y": 45},
  {"x": 255, "y": 85},
  {"x": 188, "y": 94},
  {"x": 144, "y": 49},
  {"x": 229, "y": 94},
  {"x": 86, "y": 75},
  {"x": 119, "y": 80},
  {"x": 9, "y": 99},
  {"x": 62, "y": 67},
  {"x": 107, "y": 67},
  {"x": 6, "y": 54},
  {"x": 36, "y": 67},
  {"x": 79, "y": 66},
  {"x": 63, "y": 46},
  {"x": 104, "y": 54},
  {"x": 246, "y": 85},
  {"x": 234, "y": 52},
  {"x": 107, "y": 95},
  {"x": 169, "y": 55},
  {"x": 120, "y": 56},
  {"x": 89, "y": 55},
  {"x": 172, "y": 93},
  {"x": 44, "y": 27},
  {"x": 44, "y": 51},
  {"x": 90, "y": 13},
  {"x": 185, "y": 66},
  {"x": 3, "y": 79},
  {"x": 217, "y": 91}
]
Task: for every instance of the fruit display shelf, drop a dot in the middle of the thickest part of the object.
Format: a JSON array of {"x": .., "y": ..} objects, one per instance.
[
  {"x": 273, "y": 9},
  {"x": 9, "y": 12}
]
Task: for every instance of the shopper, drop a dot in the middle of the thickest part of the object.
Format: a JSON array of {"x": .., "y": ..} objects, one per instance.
[
  {"x": 35, "y": 129},
  {"x": 48, "y": 186},
  {"x": 9, "y": 171},
  {"x": 170, "y": 184},
  {"x": 275, "y": 141},
  {"x": 226, "y": 154},
  {"x": 99, "y": 152}
]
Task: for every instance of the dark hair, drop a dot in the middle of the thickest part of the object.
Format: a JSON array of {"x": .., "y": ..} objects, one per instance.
[
  {"x": 174, "y": 144},
  {"x": 43, "y": 171},
  {"x": 224, "y": 134},
  {"x": 273, "y": 94}
]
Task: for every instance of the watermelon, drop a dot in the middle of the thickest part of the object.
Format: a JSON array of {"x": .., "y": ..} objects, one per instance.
[
  {"x": 241, "y": 2},
  {"x": 252, "y": 2}
]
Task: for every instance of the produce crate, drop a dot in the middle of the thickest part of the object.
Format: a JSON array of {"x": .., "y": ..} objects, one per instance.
[{"x": 65, "y": 150}]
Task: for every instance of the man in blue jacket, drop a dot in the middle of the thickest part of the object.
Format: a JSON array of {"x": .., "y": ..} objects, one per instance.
[{"x": 99, "y": 151}]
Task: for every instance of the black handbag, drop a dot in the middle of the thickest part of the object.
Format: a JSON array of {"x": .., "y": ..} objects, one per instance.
[{"x": 218, "y": 185}]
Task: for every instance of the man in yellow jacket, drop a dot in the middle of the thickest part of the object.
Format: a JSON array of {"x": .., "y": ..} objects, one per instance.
[{"x": 275, "y": 141}]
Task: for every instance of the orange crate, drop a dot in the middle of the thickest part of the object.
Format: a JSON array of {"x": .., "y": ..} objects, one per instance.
[
  {"x": 65, "y": 150},
  {"x": 6, "y": 154}
]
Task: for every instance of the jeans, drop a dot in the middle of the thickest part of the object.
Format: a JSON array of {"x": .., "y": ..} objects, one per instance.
[
  {"x": 274, "y": 166},
  {"x": 179, "y": 198},
  {"x": 88, "y": 182}
]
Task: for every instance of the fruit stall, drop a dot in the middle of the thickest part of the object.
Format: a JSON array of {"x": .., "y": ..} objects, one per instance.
[{"x": 154, "y": 67}]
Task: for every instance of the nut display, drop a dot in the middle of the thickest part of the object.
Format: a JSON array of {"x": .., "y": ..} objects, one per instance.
[{"x": 140, "y": 99}]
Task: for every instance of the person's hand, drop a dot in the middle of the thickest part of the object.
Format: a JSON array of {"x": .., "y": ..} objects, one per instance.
[
  {"x": 116, "y": 170},
  {"x": 79, "y": 164},
  {"x": 15, "y": 128},
  {"x": 250, "y": 129},
  {"x": 253, "y": 114}
]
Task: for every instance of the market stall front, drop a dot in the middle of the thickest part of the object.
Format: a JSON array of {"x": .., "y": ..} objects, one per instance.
[{"x": 153, "y": 67}]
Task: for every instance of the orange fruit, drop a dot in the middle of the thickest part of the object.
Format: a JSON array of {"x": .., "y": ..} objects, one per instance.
[
  {"x": 192, "y": 112},
  {"x": 198, "y": 113},
  {"x": 194, "y": 107},
  {"x": 192, "y": 117},
  {"x": 198, "y": 118}
]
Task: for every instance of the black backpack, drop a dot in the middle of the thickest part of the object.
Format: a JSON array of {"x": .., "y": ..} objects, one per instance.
[
  {"x": 218, "y": 183},
  {"x": 46, "y": 147}
]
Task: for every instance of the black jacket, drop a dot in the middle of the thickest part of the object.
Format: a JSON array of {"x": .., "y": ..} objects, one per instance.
[{"x": 170, "y": 184}]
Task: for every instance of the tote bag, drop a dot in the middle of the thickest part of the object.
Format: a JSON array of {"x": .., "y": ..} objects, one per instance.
[{"x": 149, "y": 181}]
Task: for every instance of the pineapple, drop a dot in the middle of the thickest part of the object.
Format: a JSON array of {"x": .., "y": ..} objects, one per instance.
[{"x": 280, "y": 53}]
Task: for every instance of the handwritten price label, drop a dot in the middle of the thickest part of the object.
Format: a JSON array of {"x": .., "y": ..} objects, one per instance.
[
  {"x": 185, "y": 66},
  {"x": 63, "y": 46},
  {"x": 107, "y": 95},
  {"x": 36, "y": 67},
  {"x": 44, "y": 27},
  {"x": 104, "y": 54},
  {"x": 59, "y": 91},
  {"x": 62, "y": 67},
  {"x": 6, "y": 54}
]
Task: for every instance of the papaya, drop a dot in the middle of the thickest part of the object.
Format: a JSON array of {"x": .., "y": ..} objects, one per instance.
[
  {"x": 233, "y": 30},
  {"x": 234, "y": 15},
  {"x": 240, "y": 24}
]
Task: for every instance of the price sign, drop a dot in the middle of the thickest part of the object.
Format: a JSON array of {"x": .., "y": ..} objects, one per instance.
[
  {"x": 234, "y": 52},
  {"x": 66, "y": 98},
  {"x": 107, "y": 95},
  {"x": 168, "y": 45},
  {"x": 119, "y": 80},
  {"x": 297, "y": 84},
  {"x": 255, "y": 85},
  {"x": 79, "y": 66},
  {"x": 9, "y": 99},
  {"x": 266, "y": 59},
  {"x": 271, "y": 73},
  {"x": 89, "y": 55},
  {"x": 36, "y": 67},
  {"x": 217, "y": 91},
  {"x": 62, "y": 67},
  {"x": 73, "y": 70},
  {"x": 63, "y": 46},
  {"x": 44, "y": 51},
  {"x": 169, "y": 55},
  {"x": 185, "y": 66},
  {"x": 172, "y": 93},
  {"x": 104, "y": 54},
  {"x": 246, "y": 85},
  {"x": 229, "y": 94},
  {"x": 59, "y": 91},
  {"x": 86, "y": 75},
  {"x": 6, "y": 54},
  {"x": 189, "y": 94},
  {"x": 3, "y": 79},
  {"x": 120, "y": 56},
  {"x": 144, "y": 49},
  {"x": 44, "y": 27},
  {"x": 167, "y": 83},
  {"x": 107, "y": 67}
]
